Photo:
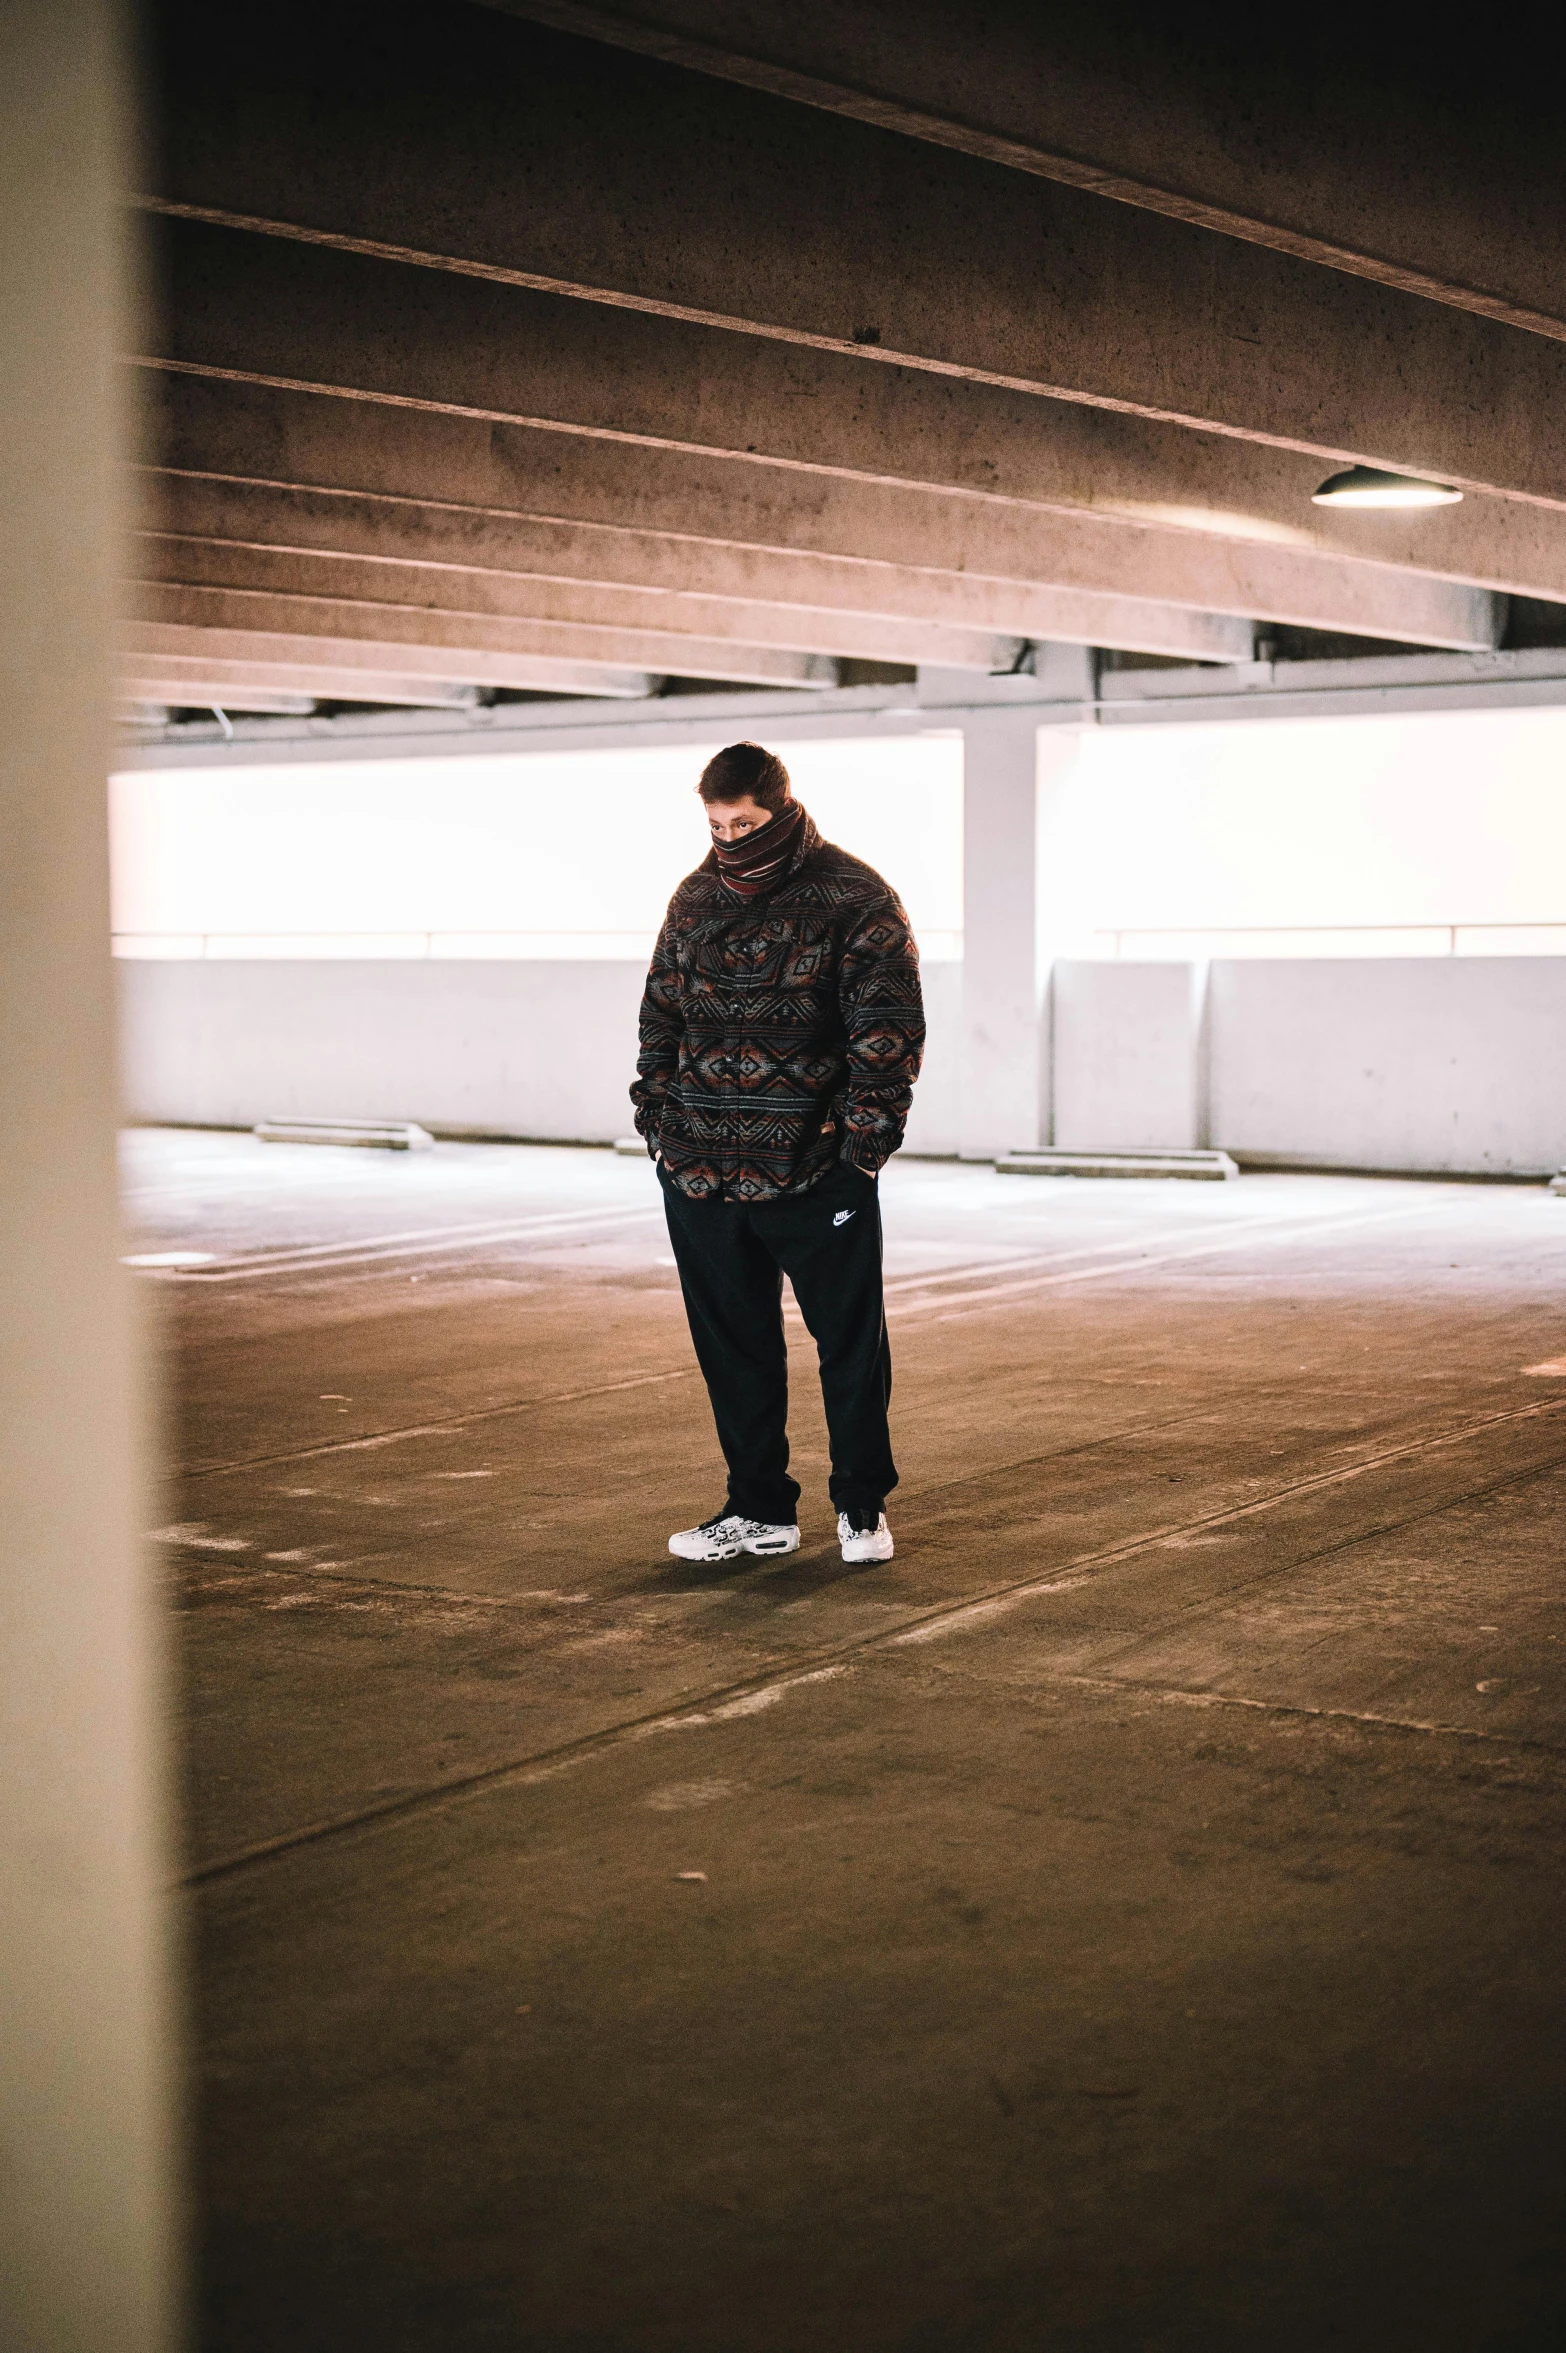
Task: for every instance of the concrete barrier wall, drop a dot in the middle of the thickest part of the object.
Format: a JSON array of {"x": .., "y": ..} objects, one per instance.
[
  {"x": 1436, "y": 1064},
  {"x": 1430, "y": 1064},
  {"x": 1449, "y": 1064},
  {"x": 514, "y": 1049},
  {"x": 1125, "y": 1056}
]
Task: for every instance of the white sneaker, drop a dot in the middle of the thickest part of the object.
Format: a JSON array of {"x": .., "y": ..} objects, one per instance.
[
  {"x": 727, "y": 1535},
  {"x": 862, "y": 1544}
]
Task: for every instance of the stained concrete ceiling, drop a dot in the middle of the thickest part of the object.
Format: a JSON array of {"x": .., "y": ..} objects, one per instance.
[{"x": 542, "y": 348}]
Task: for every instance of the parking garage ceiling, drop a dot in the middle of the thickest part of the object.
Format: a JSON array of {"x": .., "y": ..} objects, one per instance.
[{"x": 544, "y": 349}]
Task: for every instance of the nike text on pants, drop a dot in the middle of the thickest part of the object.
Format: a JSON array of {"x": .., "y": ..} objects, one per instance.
[{"x": 732, "y": 1258}]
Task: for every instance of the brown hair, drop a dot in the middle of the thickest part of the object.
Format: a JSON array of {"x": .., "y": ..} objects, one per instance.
[{"x": 742, "y": 769}]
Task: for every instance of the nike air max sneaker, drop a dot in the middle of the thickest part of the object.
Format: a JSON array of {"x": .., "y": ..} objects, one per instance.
[
  {"x": 727, "y": 1535},
  {"x": 864, "y": 1535}
]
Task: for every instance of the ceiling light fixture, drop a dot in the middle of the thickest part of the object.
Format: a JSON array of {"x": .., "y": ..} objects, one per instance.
[{"x": 1368, "y": 486}]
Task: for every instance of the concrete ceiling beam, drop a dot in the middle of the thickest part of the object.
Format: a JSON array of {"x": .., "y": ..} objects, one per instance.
[
  {"x": 204, "y": 634},
  {"x": 819, "y": 443},
  {"x": 171, "y": 678},
  {"x": 214, "y": 693},
  {"x": 827, "y": 602},
  {"x": 488, "y": 650},
  {"x": 1287, "y": 136},
  {"x": 462, "y": 349},
  {"x": 526, "y": 159},
  {"x": 791, "y": 630}
]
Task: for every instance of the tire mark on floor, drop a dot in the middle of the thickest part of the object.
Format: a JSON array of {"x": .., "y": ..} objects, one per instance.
[
  {"x": 769, "y": 1681},
  {"x": 439, "y": 1427},
  {"x": 920, "y": 1312}
]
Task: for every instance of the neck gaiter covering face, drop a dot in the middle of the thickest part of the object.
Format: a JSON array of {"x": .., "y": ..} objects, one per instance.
[{"x": 753, "y": 865}]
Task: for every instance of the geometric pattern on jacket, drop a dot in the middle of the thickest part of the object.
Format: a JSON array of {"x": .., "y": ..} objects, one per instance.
[{"x": 781, "y": 1033}]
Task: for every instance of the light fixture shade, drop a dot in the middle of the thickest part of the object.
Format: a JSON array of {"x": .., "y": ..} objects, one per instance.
[{"x": 1368, "y": 486}]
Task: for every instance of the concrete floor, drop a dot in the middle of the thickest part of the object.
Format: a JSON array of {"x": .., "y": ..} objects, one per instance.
[{"x": 1132, "y": 1919}]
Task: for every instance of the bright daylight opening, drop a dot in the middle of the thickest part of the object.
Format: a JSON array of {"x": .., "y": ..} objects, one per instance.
[
  {"x": 1432, "y": 833},
  {"x": 1422, "y": 834},
  {"x": 546, "y": 855}
]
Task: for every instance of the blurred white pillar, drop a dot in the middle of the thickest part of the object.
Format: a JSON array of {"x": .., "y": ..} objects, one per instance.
[
  {"x": 85, "y": 2135},
  {"x": 1016, "y": 910}
]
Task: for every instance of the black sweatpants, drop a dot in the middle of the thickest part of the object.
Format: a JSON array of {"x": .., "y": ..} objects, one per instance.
[{"x": 732, "y": 1257}]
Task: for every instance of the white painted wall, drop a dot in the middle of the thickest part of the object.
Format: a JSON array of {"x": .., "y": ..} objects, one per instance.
[
  {"x": 1438, "y": 1063},
  {"x": 1432, "y": 1063},
  {"x": 1126, "y": 1056},
  {"x": 1428, "y": 1064},
  {"x": 516, "y": 1048}
]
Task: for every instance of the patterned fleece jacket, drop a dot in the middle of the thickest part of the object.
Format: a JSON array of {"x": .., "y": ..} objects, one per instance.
[{"x": 779, "y": 1033}]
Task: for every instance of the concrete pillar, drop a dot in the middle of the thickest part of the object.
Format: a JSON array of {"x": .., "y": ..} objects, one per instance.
[
  {"x": 1001, "y": 1099},
  {"x": 85, "y": 2164},
  {"x": 1016, "y": 916}
]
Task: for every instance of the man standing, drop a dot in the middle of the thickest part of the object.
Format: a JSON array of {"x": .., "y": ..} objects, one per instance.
[{"x": 781, "y": 1033}]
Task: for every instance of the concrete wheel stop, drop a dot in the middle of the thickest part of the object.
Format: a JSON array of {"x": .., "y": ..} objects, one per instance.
[
  {"x": 1053, "y": 1161},
  {"x": 382, "y": 1135}
]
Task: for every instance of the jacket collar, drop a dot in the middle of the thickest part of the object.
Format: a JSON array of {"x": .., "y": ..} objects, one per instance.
[{"x": 754, "y": 867}]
